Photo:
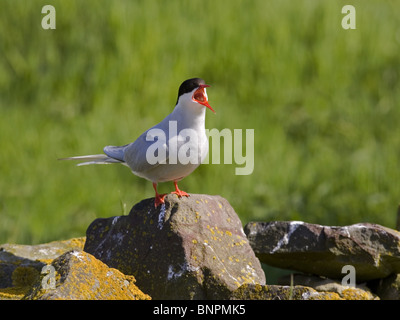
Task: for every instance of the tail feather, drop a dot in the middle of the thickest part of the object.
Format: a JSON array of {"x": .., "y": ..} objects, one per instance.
[{"x": 94, "y": 159}]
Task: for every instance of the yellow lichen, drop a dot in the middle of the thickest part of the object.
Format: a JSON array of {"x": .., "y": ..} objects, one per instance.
[
  {"x": 355, "y": 294},
  {"x": 24, "y": 276},
  {"x": 13, "y": 293},
  {"x": 46, "y": 261},
  {"x": 89, "y": 278}
]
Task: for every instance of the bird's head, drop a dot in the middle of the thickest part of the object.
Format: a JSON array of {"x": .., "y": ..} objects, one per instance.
[{"x": 194, "y": 91}]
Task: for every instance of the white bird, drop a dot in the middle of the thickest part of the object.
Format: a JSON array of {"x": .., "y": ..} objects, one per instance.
[{"x": 160, "y": 154}]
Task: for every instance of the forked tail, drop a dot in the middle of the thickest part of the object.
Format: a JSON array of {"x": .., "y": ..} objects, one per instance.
[{"x": 94, "y": 159}]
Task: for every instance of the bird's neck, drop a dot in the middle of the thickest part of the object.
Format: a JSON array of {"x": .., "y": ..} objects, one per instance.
[{"x": 190, "y": 116}]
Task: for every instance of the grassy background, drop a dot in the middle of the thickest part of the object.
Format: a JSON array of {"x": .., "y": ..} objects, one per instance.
[{"x": 323, "y": 101}]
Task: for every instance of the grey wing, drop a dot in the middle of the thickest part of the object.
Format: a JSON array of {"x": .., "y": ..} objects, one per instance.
[
  {"x": 115, "y": 152},
  {"x": 147, "y": 152}
]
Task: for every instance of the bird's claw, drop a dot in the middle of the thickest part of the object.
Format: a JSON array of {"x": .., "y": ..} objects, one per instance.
[
  {"x": 159, "y": 199},
  {"x": 180, "y": 193}
]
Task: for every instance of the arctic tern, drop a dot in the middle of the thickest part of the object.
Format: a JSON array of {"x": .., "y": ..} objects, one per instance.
[{"x": 188, "y": 120}]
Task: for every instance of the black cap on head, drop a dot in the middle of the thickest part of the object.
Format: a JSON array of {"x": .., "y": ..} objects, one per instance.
[{"x": 189, "y": 85}]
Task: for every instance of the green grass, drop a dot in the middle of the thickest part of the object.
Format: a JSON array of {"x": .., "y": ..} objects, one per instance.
[{"x": 323, "y": 102}]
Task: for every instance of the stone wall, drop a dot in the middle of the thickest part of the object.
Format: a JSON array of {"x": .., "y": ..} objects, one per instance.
[{"x": 196, "y": 248}]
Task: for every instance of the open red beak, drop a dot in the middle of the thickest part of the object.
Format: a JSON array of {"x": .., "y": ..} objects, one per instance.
[{"x": 200, "y": 96}]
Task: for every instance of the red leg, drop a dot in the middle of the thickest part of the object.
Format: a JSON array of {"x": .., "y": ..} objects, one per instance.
[
  {"x": 178, "y": 192},
  {"x": 159, "y": 199}
]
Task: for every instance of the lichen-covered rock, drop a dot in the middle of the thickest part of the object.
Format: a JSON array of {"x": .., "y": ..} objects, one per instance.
[
  {"x": 21, "y": 265},
  {"x": 373, "y": 250},
  {"x": 80, "y": 276},
  {"x": 360, "y": 292},
  {"x": 10, "y": 263},
  {"x": 188, "y": 248},
  {"x": 276, "y": 292}
]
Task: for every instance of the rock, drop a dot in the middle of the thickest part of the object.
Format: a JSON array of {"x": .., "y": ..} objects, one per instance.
[
  {"x": 303, "y": 287},
  {"x": 9, "y": 263},
  {"x": 389, "y": 288},
  {"x": 21, "y": 265},
  {"x": 276, "y": 292},
  {"x": 80, "y": 276},
  {"x": 188, "y": 248},
  {"x": 398, "y": 219},
  {"x": 372, "y": 249},
  {"x": 45, "y": 252},
  {"x": 360, "y": 292}
]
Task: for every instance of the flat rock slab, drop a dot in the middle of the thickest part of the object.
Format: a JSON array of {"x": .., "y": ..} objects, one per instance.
[
  {"x": 298, "y": 292},
  {"x": 276, "y": 292},
  {"x": 44, "y": 252},
  {"x": 326, "y": 285},
  {"x": 188, "y": 248},
  {"x": 373, "y": 250}
]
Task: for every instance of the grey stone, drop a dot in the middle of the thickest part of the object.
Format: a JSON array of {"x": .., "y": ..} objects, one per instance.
[
  {"x": 43, "y": 252},
  {"x": 389, "y": 287},
  {"x": 188, "y": 248},
  {"x": 373, "y": 250}
]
